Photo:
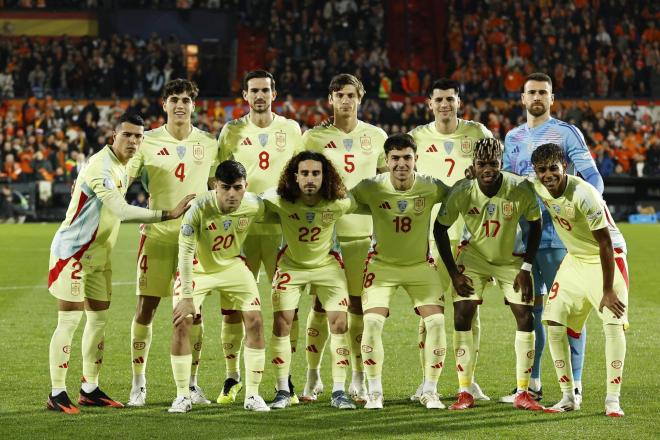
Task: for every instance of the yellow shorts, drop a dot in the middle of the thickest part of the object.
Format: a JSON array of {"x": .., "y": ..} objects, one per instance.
[
  {"x": 329, "y": 283},
  {"x": 421, "y": 282},
  {"x": 354, "y": 252},
  {"x": 578, "y": 289},
  {"x": 235, "y": 284},
  {"x": 482, "y": 274},
  {"x": 75, "y": 280},
  {"x": 262, "y": 249},
  {"x": 156, "y": 268}
]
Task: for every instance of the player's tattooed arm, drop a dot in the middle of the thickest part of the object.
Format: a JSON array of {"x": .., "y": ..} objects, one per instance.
[
  {"x": 609, "y": 300},
  {"x": 462, "y": 283},
  {"x": 523, "y": 281}
]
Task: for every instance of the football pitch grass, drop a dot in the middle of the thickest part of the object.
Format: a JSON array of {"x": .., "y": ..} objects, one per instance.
[{"x": 28, "y": 318}]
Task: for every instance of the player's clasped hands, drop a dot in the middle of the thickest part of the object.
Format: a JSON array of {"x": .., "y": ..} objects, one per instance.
[
  {"x": 182, "y": 310},
  {"x": 523, "y": 283},
  {"x": 462, "y": 284},
  {"x": 612, "y": 302}
]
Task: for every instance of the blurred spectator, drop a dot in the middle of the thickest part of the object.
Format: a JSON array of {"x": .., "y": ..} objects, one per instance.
[
  {"x": 140, "y": 200},
  {"x": 13, "y": 206}
]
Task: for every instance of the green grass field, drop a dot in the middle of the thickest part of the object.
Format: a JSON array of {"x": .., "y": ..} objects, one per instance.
[{"x": 28, "y": 317}]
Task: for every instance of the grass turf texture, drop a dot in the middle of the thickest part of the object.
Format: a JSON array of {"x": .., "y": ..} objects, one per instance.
[{"x": 28, "y": 318}]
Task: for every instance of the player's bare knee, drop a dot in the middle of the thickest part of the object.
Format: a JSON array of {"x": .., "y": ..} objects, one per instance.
[
  {"x": 524, "y": 317},
  {"x": 338, "y": 322},
  {"x": 146, "y": 309},
  {"x": 282, "y": 324},
  {"x": 182, "y": 330},
  {"x": 463, "y": 313}
]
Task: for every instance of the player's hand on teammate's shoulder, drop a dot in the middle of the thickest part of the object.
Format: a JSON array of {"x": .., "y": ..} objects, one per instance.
[
  {"x": 523, "y": 283},
  {"x": 180, "y": 209},
  {"x": 182, "y": 310},
  {"x": 612, "y": 302},
  {"x": 462, "y": 284}
]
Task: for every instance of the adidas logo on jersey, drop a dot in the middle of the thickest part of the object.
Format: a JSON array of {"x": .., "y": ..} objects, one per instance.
[
  {"x": 385, "y": 205},
  {"x": 331, "y": 144},
  {"x": 344, "y": 302},
  {"x": 432, "y": 149},
  {"x": 474, "y": 211},
  {"x": 211, "y": 227},
  {"x": 246, "y": 141},
  {"x": 163, "y": 152},
  {"x": 294, "y": 216}
]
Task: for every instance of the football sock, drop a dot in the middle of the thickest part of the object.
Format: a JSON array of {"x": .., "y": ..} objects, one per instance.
[
  {"x": 315, "y": 339},
  {"x": 578, "y": 346},
  {"x": 255, "y": 359},
  {"x": 92, "y": 345},
  {"x": 615, "y": 353},
  {"x": 232, "y": 335},
  {"x": 561, "y": 356},
  {"x": 372, "y": 348},
  {"x": 293, "y": 336},
  {"x": 181, "y": 371},
  {"x": 60, "y": 347},
  {"x": 340, "y": 360},
  {"x": 539, "y": 343},
  {"x": 463, "y": 349},
  {"x": 355, "y": 330},
  {"x": 524, "y": 347},
  {"x": 421, "y": 342},
  {"x": 434, "y": 351},
  {"x": 140, "y": 344},
  {"x": 280, "y": 348},
  {"x": 196, "y": 336},
  {"x": 476, "y": 339}
]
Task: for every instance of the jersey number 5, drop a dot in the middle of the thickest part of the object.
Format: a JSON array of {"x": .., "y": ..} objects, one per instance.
[{"x": 350, "y": 166}]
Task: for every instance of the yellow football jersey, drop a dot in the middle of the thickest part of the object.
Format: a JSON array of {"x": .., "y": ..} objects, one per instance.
[
  {"x": 171, "y": 169},
  {"x": 264, "y": 152},
  {"x": 356, "y": 155},
  {"x": 492, "y": 222},
  {"x": 578, "y": 211},
  {"x": 308, "y": 232},
  {"x": 401, "y": 218},
  {"x": 214, "y": 238}
]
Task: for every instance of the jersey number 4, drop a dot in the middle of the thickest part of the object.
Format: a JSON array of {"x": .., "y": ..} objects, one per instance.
[{"x": 180, "y": 172}]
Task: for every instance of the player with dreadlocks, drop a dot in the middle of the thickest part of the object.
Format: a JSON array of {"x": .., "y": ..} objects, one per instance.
[
  {"x": 491, "y": 206},
  {"x": 308, "y": 201}
]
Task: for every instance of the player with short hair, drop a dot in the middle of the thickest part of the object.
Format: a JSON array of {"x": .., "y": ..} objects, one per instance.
[
  {"x": 175, "y": 159},
  {"x": 355, "y": 148},
  {"x": 540, "y": 128},
  {"x": 213, "y": 233},
  {"x": 445, "y": 152},
  {"x": 263, "y": 142},
  {"x": 80, "y": 265},
  {"x": 491, "y": 206},
  {"x": 593, "y": 274},
  {"x": 309, "y": 199},
  {"x": 401, "y": 202}
]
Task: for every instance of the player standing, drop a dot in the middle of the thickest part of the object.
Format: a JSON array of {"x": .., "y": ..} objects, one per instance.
[
  {"x": 80, "y": 265},
  {"x": 263, "y": 142},
  {"x": 491, "y": 206},
  {"x": 401, "y": 202},
  {"x": 537, "y": 97},
  {"x": 445, "y": 152},
  {"x": 355, "y": 148},
  {"x": 596, "y": 257},
  {"x": 175, "y": 159},
  {"x": 309, "y": 200},
  {"x": 213, "y": 233}
]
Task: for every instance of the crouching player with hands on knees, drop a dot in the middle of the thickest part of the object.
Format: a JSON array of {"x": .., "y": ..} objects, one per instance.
[
  {"x": 491, "y": 206},
  {"x": 593, "y": 275},
  {"x": 213, "y": 233},
  {"x": 80, "y": 265}
]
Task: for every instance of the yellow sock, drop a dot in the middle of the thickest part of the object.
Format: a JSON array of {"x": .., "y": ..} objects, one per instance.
[
  {"x": 293, "y": 336},
  {"x": 181, "y": 371},
  {"x": 60, "y": 346},
  {"x": 280, "y": 348},
  {"x": 140, "y": 344},
  {"x": 561, "y": 356},
  {"x": 524, "y": 346},
  {"x": 340, "y": 356},
  {"x": 355, "y": 330},
  {"x": 373, "y": 354},
  {"x": 464, "y": 350},
  {"x": 254, "y": 359},
  {"x": 196, "y": 336},
  {"x": 615, "y": 353},
  {"x": 421, "y": 342},
  {"x": 476, "y": 339},
  {"x": 232, "y": 336},
  {"x": 92, "y": 344},
  {"x": 435, "y": 348},
  {"x": 315, "y": 339}
]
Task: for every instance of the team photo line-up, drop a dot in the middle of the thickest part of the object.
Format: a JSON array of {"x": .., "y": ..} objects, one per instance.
[{"x": 347, "y": 214}]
